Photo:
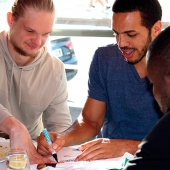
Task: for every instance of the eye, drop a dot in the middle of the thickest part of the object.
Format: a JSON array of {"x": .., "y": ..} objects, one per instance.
[
  {"x": 29, "y": 30},
  {"x": 132, "y": 35},
  {"x": 47, "y": 34},
  {"x": 115, "y": 34}
]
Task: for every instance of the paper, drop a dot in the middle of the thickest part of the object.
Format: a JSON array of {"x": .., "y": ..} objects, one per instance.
[{"x": 68, "y": 154}]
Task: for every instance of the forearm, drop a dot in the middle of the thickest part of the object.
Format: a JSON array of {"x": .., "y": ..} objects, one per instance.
[
  {"x": 11, "y": 126},
  {"x": 80, "y": 132},
  {"x": 120, "y": 146}
]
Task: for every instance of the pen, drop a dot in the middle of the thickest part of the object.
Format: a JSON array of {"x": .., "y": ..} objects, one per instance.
[{"x": 47, "y": 137}]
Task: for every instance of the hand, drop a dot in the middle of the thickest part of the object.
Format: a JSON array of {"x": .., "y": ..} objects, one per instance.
[
  {"x": 103, "y": 148},
  {"x": 19, "y": 137},
  {"x": 44, "y": 148}
]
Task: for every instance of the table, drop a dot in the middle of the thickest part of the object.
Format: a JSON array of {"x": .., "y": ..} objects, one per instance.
[{"x": 67, "y": 155}]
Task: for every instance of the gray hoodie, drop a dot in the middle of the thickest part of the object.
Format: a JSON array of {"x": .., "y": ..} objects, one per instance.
[{"x": 35, "y": 94}]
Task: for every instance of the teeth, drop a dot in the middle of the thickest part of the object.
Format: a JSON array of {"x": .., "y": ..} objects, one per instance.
[{"x": 128, "y": 52}]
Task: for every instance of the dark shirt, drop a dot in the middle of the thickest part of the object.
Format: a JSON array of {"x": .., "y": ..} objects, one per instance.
[{"x": 154, "y": 151}]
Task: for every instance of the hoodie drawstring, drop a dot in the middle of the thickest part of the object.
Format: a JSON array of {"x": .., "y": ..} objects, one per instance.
[{"x": 20, "y": 87}]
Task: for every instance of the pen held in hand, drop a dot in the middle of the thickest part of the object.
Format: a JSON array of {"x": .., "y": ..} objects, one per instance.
[{"x": 47, "y": 137}]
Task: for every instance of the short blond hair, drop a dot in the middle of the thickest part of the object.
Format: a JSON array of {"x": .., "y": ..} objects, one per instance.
[{"x": 19, "y": 7}]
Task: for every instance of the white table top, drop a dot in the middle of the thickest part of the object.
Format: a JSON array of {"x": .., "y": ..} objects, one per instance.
[{"x": 67, "y": 154}]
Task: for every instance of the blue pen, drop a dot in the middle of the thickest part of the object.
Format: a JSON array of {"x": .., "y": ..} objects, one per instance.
[{"x": 47, "y": 137}]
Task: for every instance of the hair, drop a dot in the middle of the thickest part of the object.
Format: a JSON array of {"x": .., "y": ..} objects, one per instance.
[
  {"x": 158, "y": 55},
  {"x": 150, "y": 10},
  {"x": 19, "y": 7}
]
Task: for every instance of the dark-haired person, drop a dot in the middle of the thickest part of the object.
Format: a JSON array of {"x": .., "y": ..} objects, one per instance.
[
  {"x": 153, "y": 152},
  {"x": 120, "y": 108},
  {"x": 33, "y": 85}
]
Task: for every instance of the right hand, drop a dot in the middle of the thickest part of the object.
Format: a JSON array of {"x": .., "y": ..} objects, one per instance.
[
  {"x": 44, "y": 148},
  {"x": 19, "y": 137}
]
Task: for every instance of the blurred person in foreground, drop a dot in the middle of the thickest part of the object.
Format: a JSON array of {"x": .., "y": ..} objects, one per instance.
[
  {"x": 153, "y": 152},
  {"x": 33, "y": 85},
  {"x": 120, "y": 109}
]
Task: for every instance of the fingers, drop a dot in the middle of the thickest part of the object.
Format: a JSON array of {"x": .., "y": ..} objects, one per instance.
[
  {"x": 89, "y": 144},
  {"x": 58, "y": 142},
  {"x": 38, "y": 159},
  {"x": 99, "y": 149},
  {"x": 89, "y": 153},
  {"x": 44, "y": 148}
]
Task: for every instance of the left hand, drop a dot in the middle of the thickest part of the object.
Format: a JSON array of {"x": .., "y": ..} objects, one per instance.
[{"x": 104, "y": 148}]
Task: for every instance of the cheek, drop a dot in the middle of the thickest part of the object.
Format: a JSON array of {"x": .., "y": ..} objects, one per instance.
[{"x": 44, "y": 39}]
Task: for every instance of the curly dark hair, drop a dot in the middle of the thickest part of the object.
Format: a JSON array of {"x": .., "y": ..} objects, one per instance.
[{"x": 150, "y": 10}]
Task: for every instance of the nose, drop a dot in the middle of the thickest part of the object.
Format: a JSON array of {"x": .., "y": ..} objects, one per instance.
[
  {"x": 122, "y": 41},
  {"x": 37, "y": 39}
]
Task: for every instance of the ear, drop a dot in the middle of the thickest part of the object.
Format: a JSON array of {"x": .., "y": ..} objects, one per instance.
[
  {"x": 156, "y": 29},
  {"x": 9, "y": 19}
]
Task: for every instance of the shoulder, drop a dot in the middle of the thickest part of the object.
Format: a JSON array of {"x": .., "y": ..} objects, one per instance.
[
  {"x": 110, "y": 47},
  {"x": 107, "y": 54},
  {"x": 110, "y": 51},
  {"x": 53, "y": 62},
  {"x": 53, "y": 67}
]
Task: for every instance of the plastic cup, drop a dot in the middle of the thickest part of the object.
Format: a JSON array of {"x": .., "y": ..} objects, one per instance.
[{"x": 17, "y": 159}]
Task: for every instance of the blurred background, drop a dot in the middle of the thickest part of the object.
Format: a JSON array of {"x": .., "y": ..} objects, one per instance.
[{"x": 79, "y": 29}]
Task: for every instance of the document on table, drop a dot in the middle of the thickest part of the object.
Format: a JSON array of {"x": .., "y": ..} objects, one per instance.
[{"x": 67, "y": 155}]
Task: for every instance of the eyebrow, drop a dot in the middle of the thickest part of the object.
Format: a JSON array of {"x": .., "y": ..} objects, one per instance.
[
  {"x": 125, "y": 32},
  {"x": 35, "y": 30}
]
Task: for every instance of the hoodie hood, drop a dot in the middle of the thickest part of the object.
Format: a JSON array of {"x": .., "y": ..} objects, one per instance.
[{"x": 12, "y": 66}]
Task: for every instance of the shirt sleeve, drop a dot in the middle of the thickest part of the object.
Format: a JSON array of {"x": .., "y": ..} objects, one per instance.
[
  {"x": 4, "y": 113},
  {"x": 96, "y": 82},
  {"x": 57, "y": 117}
]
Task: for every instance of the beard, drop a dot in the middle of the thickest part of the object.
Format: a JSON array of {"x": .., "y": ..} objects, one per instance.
[
  {"x": 143, "y": 52},
  {"x": 21, "y": 51}
]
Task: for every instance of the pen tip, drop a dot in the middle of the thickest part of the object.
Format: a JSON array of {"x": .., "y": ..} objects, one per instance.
[{"x": 55, "y": 157}]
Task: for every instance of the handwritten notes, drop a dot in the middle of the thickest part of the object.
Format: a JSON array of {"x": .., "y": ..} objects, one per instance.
[{"x": 68, "y": 154}]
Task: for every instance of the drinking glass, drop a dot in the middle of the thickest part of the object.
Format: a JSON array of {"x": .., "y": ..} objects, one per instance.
[
  {"x": 2, "y": 154},
  {"x": 17, "y": 159}
]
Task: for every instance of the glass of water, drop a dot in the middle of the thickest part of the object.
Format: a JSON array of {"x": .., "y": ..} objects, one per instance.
[{"x": 17, "y": 159}]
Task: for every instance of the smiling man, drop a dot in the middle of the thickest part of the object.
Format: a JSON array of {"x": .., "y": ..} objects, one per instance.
[
  {"x": 33, "y": 86},
  {"x": 120, "y": 109}
]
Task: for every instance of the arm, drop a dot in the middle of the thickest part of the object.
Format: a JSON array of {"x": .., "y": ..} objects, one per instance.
[
  {"x": 87, "y": 126},
  {"x": 84, "y": 129},
  {"x": 19, "y": 137},
  {"x": 103, "y": 148},
  {"x": 88, "y": 123},
  {"x": 56, "y": 117}
]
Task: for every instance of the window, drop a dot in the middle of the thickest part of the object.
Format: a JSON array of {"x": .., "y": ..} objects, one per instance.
[{"x": 87, "y": 29}]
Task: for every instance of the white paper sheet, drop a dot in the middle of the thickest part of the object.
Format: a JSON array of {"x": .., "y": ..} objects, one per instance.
[{"x": 67, "y": 155}]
